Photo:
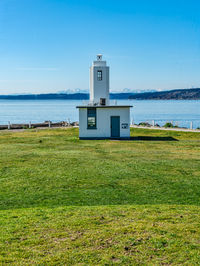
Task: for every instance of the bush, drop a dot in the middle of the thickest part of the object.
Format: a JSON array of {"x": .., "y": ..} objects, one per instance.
[
  {"x": 168, "y": 124},
  {"x": 144, "y": 124}
]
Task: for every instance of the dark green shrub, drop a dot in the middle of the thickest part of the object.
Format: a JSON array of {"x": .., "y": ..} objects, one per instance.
[
  {"x": 144, "y": 124},
  {"x": 168, "y": 124}
]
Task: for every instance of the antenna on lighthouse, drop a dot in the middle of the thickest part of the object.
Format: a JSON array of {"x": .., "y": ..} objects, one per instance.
[{"x": 99, "y": 57}]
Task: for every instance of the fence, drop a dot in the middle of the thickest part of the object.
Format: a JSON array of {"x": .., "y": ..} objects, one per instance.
[
  {"x": 189, "y": 124},
  {"x": 194, "y": 124},
  {"x": 37, "y": 125}
]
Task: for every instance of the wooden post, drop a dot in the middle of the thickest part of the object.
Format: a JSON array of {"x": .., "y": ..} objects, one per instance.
[
  {"x": 49, "y": 123},
  {"x": 29, "y": 124},
  {"x": 191, "y": 125},
  {"x": 8, "y": 124},
  {"x": 153, "y": 123}
]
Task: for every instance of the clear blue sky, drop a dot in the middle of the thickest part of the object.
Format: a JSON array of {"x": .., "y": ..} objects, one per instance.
[{"x": 48, "y": 45}]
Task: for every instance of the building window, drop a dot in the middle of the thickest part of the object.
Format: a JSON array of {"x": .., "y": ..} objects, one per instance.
[
  {"x": 99, "y": 75},
  {"x": 91, "y": 118}
]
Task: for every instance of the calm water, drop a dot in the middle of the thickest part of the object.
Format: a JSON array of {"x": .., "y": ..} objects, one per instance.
[{"x": 23, "y": 111}]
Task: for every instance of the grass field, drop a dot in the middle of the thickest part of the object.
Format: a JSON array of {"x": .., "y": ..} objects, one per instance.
[{"x": 66, "y": 201}]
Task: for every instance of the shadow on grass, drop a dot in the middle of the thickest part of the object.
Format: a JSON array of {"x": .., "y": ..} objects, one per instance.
[
  {"x": 151, "y": 138},
  {"x": 146, "y": 138}
]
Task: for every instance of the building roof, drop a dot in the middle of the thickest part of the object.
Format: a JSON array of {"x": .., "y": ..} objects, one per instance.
[{"x": 104, "y": 106}]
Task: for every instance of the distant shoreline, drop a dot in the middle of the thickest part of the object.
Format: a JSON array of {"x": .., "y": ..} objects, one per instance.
[{"x": 184, "y": 94}]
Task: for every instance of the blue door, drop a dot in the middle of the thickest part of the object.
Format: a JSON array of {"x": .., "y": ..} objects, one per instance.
[{"x": 115, "y": 126}]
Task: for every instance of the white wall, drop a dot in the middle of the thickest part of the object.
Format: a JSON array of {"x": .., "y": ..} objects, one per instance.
[
  {"x": 103, "y": 122},
  {"x": 99, "y": 88}
]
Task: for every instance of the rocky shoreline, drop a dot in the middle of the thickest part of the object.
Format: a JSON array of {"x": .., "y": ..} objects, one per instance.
[{"x": 38, "y": 125}]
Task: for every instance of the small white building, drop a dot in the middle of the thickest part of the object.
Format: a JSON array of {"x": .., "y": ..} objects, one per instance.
[{"x": 99, "y": 119}]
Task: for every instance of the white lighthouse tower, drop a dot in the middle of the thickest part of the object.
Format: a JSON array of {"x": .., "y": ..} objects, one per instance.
[
  {"x": 99, "y": 119},
  {"x": 99, "y": 82}
]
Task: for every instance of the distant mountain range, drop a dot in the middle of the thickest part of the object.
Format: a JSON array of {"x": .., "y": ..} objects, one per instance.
[
  {"x": 184, "y": 94},
  {"x": 125, "y": 90}
]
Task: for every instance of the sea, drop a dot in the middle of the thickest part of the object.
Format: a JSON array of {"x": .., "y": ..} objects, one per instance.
[{"x": 180, "y": 113}]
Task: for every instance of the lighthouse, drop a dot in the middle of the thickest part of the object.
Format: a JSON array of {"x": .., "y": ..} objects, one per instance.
[
  {"x": 99, "y": 119},
  {"x": 99, "y": 82}
]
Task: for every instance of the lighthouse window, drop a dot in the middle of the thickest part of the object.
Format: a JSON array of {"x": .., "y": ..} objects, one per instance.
[
  {"x": 91, "y": 115},
  {"x": 99, "y": 75}
]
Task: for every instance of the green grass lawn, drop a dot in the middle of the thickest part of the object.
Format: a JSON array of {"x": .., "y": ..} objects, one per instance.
[{"x": 66, "y": 201}]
